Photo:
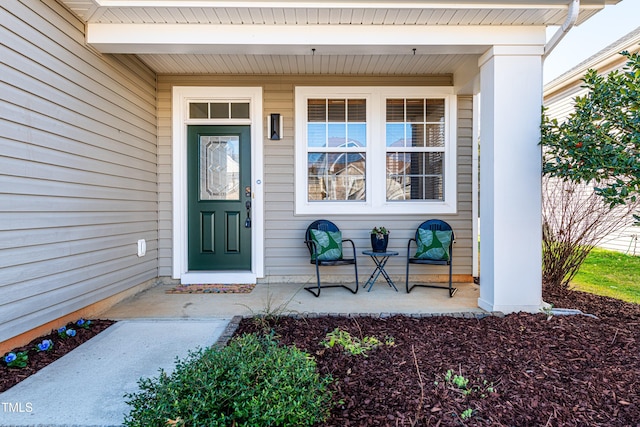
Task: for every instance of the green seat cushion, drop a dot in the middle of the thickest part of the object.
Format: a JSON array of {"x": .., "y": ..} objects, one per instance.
[
  {"x": 433, "y": 244},
  {"x": 328, "y": 245}
]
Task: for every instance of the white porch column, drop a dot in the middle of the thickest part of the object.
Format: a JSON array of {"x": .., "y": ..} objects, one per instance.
[{"x": 510, "y": 184}]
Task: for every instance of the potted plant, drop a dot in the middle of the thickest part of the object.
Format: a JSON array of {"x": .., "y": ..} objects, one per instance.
[{"x": 379, "y": 239}]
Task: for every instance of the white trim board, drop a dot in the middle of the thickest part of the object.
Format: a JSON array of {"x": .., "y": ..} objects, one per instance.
[{"x": 182, "y": 95}]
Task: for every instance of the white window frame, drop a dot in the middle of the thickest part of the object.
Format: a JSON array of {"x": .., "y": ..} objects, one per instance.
[{"x": 376, "y": 199}]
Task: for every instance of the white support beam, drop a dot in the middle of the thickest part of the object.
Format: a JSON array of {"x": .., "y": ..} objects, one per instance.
[
  {"x": 299, "y": 39},
  {"x": 510, "y": 184}
]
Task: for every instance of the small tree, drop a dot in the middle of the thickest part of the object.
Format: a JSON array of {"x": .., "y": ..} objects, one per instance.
[
  {"x": 597, "y": 147},
  {"x": 600, "y": 141}
]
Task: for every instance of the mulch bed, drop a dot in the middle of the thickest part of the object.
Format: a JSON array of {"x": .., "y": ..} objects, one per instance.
[
  {"x": 566, "y": 371},
  {"x": 38, "y": 360}
]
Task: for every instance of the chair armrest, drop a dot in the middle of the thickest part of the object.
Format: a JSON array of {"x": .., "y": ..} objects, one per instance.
[
  {"x": 353, "y": 245},
  {"x": 313, "y": 249},
  {"x": 409, "y": 247}
]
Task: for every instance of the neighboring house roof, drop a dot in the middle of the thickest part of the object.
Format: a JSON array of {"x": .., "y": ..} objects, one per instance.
[{"x": 603, "y": 61}]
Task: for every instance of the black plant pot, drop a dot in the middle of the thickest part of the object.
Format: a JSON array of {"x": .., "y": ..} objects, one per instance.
[{"x": 379, "y": 245}]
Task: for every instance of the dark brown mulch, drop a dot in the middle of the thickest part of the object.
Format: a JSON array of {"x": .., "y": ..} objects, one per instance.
[
  {"x": 566, "y": 371},
  {"x": 38, "y": 360}
]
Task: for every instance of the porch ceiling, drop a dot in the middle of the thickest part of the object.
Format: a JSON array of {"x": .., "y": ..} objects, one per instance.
[
  {"x": 400, "y": 64},
  {"x": 230, "y": 37}
]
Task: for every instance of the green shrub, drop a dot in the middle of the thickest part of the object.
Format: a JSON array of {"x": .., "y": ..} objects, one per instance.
[
  {"x": 353, "y": 345},
  {"x": 250, "y": 382}
]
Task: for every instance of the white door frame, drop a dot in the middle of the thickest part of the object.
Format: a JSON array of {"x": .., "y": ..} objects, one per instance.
[{"x": 182, "y": 95}]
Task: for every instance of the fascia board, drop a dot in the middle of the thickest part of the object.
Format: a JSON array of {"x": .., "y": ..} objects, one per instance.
[
  {"x": 469, "y": 4},
  {"x": 299, "y": 39}
]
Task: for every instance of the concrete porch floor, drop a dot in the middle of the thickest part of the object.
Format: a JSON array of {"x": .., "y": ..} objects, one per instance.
[{"x": 290, "y": 298}]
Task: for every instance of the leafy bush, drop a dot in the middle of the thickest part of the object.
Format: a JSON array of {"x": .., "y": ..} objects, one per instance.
[{"x": 251, "y": 382}]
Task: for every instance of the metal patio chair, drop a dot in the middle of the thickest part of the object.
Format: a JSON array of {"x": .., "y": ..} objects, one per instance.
[
  {"x": 431, "y": 225},
  {"x": 314, "y": 251}
]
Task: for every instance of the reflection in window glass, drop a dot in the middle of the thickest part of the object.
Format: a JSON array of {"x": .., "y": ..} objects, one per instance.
[
  {"x": 435, "y": 135},
  {"x": 219, "y": 110},
  {"x": 415, "y": 176},
  {"x": 239, "y": 110},
  {"x": 317, "y": 110},
  {"x": 316, "y": 135},
  {"x": 337, "y": 133},
  {"x": 395, "y": 135},
  {"x": 415, "y": 134},
  {"x": 357, "y": 134},
  {"x": 344, "y": 125},
  {"x": 415, "y": 110},
  {"x": 395, "y": 110},
  {"x": 357, "y": 110},
  {"x": 336, "y": 176},
  {"x": 415, "y": 141},
  {"x": 198, "y": 110},
  {"x": 337, "y": 110},
  {"x": 435, "y": 110},
  {"x": 376, "y": 150}
]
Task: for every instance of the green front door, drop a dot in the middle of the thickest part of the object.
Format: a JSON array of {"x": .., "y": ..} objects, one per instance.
[{"x": 219, "y": 197}]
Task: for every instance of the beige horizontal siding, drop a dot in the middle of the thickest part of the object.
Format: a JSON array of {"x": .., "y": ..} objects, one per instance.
[
  {"x": 561, "y": 105},
  {"x": 286, "y": 256},
  {"x": 78, "y": 168},
  {"x": 625, "y": 241}
]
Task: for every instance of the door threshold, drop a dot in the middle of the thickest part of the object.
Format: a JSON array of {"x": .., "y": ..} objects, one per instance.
[{"x": 221, "y": 277}]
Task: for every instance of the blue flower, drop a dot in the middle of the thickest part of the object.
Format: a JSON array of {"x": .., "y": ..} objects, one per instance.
[
  {"x": 83, "y": 323},
  {"x": 71, "y": 332},
  {"x": 62, "y": 332},
  {"x": 45, "y": 345},
  {"x": 14, "y": 360}
]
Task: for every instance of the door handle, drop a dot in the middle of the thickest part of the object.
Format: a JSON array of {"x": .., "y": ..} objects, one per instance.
[{"x": 247, "y": 222}]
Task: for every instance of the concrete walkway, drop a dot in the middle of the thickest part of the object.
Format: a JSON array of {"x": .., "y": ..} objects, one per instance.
[
  {"x": 291, "y": 298},
  {"x": 86, "y": 387}
]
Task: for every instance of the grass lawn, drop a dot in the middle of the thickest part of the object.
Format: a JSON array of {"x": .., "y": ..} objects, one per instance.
[{"x": 610, "y": 274}]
